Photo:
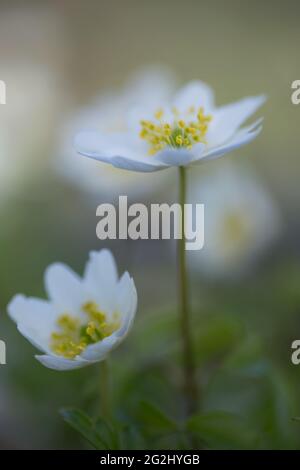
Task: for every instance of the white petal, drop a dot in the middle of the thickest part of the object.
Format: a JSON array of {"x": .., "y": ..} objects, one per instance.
[
  {"x": 126, "y": 304},
  {"x": 197, "y": 94},
  {"x": 121, "y": 151},
  {"x": 150, "y": 86},
  {"x": 126, "y": 301},
  {"x": 60, "y": 363},
  {"x": 139, "y": 112},
  {"x": 100, "y": 146},
  {"x": 101, "y": 268},
  {"x": 101, "y": 278},
  {"x": 64, "y": 287},
  {"x": 98, "y": 352},
  {"x": 243, "y": 137},
  {"x": 179, "y": 156},
  {"x": 35, "y": 319},
  {"x": 227, "y": 119},
  {"x": 144, "y": 166},
  {"x": 34, "y": 337}
]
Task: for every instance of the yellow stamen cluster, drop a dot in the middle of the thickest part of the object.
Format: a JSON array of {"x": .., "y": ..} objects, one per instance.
[
  {"x": 73, "y": 336},
  {"x": 180, "y": 133}
]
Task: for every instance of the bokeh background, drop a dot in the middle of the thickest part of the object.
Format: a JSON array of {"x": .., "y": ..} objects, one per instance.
[{"x": 56, "y": 58}]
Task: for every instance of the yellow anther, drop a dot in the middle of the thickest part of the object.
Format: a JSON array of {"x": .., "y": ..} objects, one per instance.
[
  {"x": 93, "y": 312},
  {"x": 67, "y": 323},
  {"x": 143, "y": 133},
  {"x": 178, "y": 133},
  {"x": 73, "y": 335},
  {"x": 190, "y": 130},
  {"x": 159, "y": 114},
  {"x": 179, "y": 140},
  {"x": 91, "y": 328}
]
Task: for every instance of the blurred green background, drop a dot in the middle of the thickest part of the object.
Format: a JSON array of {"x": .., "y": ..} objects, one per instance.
[{"x": 55, "y": 56}]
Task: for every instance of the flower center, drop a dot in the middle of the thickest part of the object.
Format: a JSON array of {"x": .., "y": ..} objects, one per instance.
[
  {"x": 179, "y": 133},
  {"x": 235, "y": 233},
  {"x": 73, "y": 336}
]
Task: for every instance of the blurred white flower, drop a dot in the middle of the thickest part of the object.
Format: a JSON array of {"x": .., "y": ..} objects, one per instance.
[
  {"x": 84, "y": 319},
  {"x": 33, "y": 48},
  {"x": 107, "y": 114},
  {"x": 241, "y": 221},
  {"x": 27, "y": 122},
  {"x": 185, "y": 130}
]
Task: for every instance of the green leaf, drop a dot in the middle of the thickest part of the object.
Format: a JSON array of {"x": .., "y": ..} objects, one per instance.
[
  {"x": 155, "y": 336},
  {"x": 131, "y": 438},
  {"x": 280, "y": 403},
  {"x": 222, "y": 430},
  {"x": 217, "y": 336},
  {"x": 108, "y": 434},
  {"x": 155, "y": 419},
  {"x": 85, "y": 426},
  {"x": 248, "y": 358}
]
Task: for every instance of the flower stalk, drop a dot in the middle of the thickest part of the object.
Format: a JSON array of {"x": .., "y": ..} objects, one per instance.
[{"x": 190, "y": 383}]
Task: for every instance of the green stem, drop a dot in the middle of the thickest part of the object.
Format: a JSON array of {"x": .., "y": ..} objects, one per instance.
[
  {"x": 104, "y": 390},
  {"x": 190, "y": 384}
]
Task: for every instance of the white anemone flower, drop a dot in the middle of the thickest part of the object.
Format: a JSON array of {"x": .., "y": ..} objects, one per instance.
[
  {"x": 84, "y": 319},
  {"x": 242, "y": 221},
  {"x": 107, "y": 114},
  {"x": 186, "y": 130}
]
